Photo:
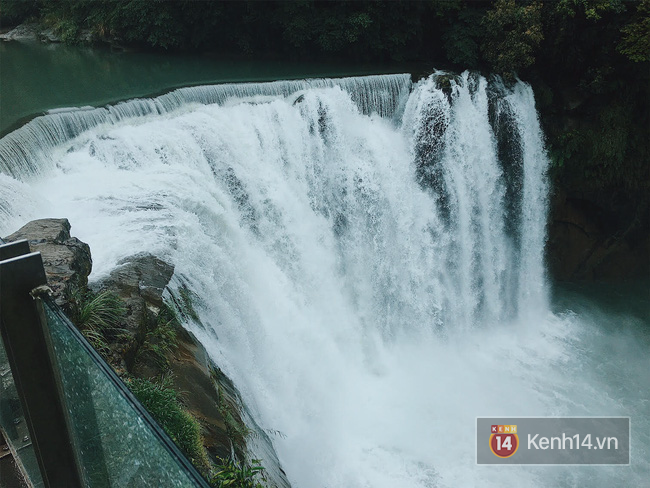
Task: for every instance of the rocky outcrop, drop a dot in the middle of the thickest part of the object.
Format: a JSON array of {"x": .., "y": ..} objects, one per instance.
[
  {"x": 66, "y": 259},
  {"x": 36, "y": 32},
  {"x": 141, "y": 281},
  {"x": 209, "y": 395},
  {"x": 215, "y": 402},
  {"x": 194, "y": 374},
  {"x": 31, "y": 32},
  {"x": 23, "y": 32}
]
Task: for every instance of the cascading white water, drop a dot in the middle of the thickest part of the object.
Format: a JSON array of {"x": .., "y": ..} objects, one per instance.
[
  {"x": 367, "y": 257},
  {"x": 26, "y": 151}
]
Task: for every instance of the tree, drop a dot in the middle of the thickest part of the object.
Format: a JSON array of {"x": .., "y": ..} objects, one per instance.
[
  {"x": 636, "y": 35},
  {"x": 513, "y": 33}
]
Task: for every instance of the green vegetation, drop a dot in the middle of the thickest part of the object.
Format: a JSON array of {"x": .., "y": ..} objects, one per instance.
[
  {"x": 231, "y": 474},
  {"x": 236, "y": 430},
  {"x": 98, "y": 317},
  {"x": 595, "y": 111},
  {"x": 164, "y": 404},
  {"x": 159, "y": 339},
  {"x": 636, "y": 35},
  {"x": 512, "y": 34},
  {"x": 185, "y": 303},
  {"x": 504, "y": 36}
]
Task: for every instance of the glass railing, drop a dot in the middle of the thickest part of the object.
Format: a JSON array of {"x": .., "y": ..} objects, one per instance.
[
  {"x": 79, "y": 411},
  {"x": 117, "y": 443}
]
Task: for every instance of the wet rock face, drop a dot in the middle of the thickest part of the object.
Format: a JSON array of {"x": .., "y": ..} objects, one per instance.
[
  {"x": 140, "y": 281},
  {"x": 21, "y": 33},
  {"x": 66, "y": 259}
]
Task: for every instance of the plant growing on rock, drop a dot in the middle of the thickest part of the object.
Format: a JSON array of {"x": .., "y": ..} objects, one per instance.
[
  {"x": 96, "y": 316},
  {"x": 165, "y": 405},
  {"x": 160, "y": 339},
  {"x": 232, "y": 474}
]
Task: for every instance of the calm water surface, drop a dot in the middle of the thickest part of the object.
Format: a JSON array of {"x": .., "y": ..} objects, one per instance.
[{"x": 36, "y": 77}]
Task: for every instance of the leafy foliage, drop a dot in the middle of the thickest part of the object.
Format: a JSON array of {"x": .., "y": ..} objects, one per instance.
[
  {"x": 160, "y": 339},
  {"x": 596, "y": 120},
  {"x": 166, "y": 407},
  {"x": 591, "y": 9},
  {"x": 636, "y": 35},
  {"x": 513, "y": 33},
  {"x": 236, "y": 429},
  {"x": 237, "y": 475},
  {"x": 463, "y": 37},
  {"x": 14, "y": 12}
]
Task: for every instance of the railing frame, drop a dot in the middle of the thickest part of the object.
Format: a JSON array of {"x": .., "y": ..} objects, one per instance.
[
  {"x": 33, "y": 364},
  {"x": 41, "y": 397}
]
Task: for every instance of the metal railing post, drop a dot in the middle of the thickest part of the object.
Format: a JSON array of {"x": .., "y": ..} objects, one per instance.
[{"x": 34, "y": 373}]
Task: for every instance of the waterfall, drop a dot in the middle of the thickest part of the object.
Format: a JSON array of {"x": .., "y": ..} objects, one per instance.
[
  {"x": 23, "y": 152},
  {"x": 366, "y": 253}
]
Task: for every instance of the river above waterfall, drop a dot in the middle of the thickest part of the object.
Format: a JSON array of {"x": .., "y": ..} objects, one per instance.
[
  {"x": 37, "y": 77},
  {"x": 367, "y": 257}
]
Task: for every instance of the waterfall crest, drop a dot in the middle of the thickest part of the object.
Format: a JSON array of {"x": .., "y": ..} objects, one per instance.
[{"x": 22, "y": 152}]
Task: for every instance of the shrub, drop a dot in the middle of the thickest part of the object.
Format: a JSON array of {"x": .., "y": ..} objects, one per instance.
[
  {"x": 636, "y": 35},
  {"x": 236, "y": 475},
  {"x": 160, "y": 339}
]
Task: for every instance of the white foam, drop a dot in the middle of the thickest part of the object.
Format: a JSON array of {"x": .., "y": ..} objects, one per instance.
[{"x": 360, "y": 313}]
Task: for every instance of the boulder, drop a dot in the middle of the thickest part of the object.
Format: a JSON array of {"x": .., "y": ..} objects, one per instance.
[
  {"x": 140, "y": 281},
  {"x": 48, "y": 36},
  {"x": 66, "y": 259},
  {"x": 21, "y": 33}
]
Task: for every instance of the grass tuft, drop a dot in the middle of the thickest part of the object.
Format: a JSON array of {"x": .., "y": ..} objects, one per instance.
[
  {"x": 164, "y": 404},
  {"x": 96, "y": 316},
  {"x": 160, "y": 339}
]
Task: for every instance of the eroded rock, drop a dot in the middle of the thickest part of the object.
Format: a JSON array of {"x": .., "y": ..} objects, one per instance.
[
  {"x": 140, "y": 281},
  {"x": 22, "y": 32},
  {"x": 67, "y": 260}
]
